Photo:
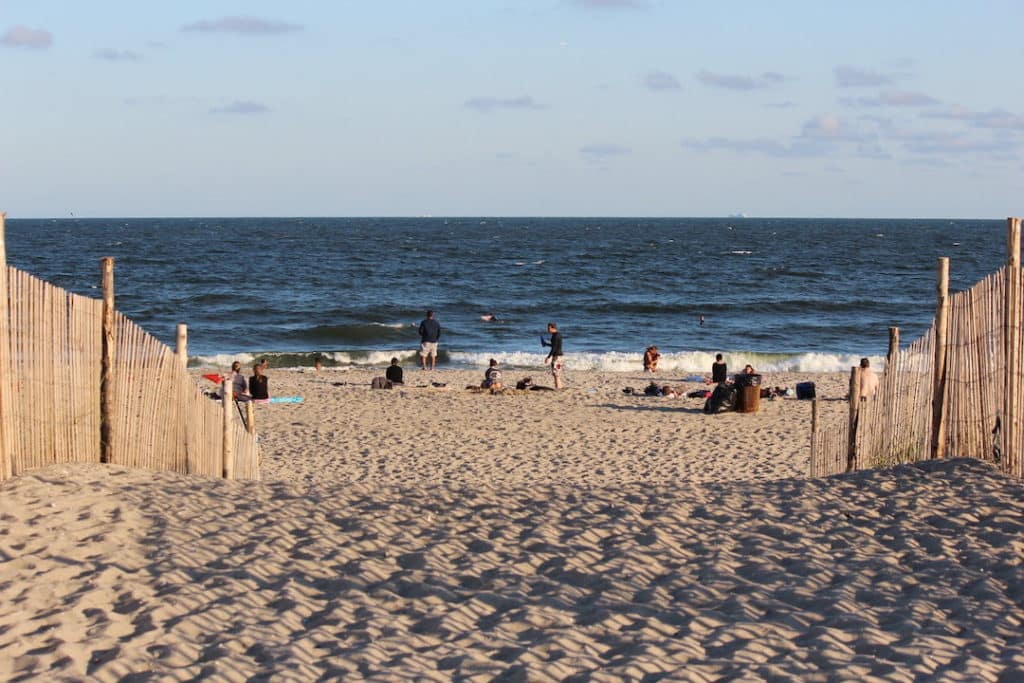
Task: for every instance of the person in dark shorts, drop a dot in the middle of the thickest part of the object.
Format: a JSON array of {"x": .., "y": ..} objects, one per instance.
[
  {"x": 430, "y": 335},
  {"x": 394, "y": 372},
  {"x": 719, "y": 370}
]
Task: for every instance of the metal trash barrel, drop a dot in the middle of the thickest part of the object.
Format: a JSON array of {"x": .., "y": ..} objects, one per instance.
[{"x": 748, "y": 393}]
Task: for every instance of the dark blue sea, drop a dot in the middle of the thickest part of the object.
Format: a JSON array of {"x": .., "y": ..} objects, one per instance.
[{"x": 796, "y": 294}]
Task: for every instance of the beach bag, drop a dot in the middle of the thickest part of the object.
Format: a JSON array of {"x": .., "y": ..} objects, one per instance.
[
  {"x": 723, "y": 398},
  {"x": 805, "y": 390},
  {"x": 380, "y": 383}
]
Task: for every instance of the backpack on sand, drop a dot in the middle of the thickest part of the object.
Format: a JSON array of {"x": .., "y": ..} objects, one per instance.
[{"x": 722, "y": 398}]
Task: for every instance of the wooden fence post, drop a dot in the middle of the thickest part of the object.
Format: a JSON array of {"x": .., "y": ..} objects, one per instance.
[
  {"x": 250, "y": 417},
  {"x": 6, "y": 382},
  {"x": 1011, "y": 426},
  {"x": 894, "y": 345},
  {"x": 227, "y": 397},
  {"x": 938, "y": 444},
  {"x": 107, "y": 362},
  {"x": 851, "y": 443},
  {"x": 181, "y": 349},
  {"x": 814, "y": 436}
]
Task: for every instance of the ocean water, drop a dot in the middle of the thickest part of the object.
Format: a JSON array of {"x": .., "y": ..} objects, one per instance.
[{"x": 784, "y": 294}]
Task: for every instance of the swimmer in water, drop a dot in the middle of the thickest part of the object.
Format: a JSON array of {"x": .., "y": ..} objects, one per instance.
[{"x": 489, "y": 318}]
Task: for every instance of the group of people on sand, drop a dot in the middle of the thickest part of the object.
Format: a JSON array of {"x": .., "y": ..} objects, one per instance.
[
  {"x": 430, "y": 336},
  {"x": 257, "y": 386}
]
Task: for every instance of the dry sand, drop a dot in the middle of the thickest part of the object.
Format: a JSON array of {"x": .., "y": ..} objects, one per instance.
[
  {"x": 425, "y": 534},
  {"x": 590, "y": 433}
]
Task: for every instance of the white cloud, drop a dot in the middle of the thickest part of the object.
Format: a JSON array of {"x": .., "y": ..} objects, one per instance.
[
  {"x": 23, "y": 36},
  {"x": 735, "y": 82},
  {"x": 831, "y": 127},
  {"x": 612, "y": 4},
  {"x": 111, "y": 55},
  {"x": 488, "y": 104},
  {"x": 892, "y": 98},
  {"x": 248, "y": 26},
  {"x": 766, "y": 146},
  {"x": 856, "y": 77},
  {"x": 994, "y": 118},
  {"x": 604, "y": 150},
  {"x": 241, "y": 107},
  {"x": 659, "y": 80}
]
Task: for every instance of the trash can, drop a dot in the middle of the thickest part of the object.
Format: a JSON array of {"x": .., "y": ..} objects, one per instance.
[{"x": 748, "y": 393}]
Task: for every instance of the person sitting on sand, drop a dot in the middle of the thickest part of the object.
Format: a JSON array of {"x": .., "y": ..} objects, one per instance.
[
  {"x": 258, "y": 388},
  {"x": 239, "y": 389},
  {"x": 651, "y": 357},
  {"x": 318, "y": 363},
  {"x": 719, "y": 370},
  {"x": 394, "y": 372},
  {"x": 492, "y": 377}
]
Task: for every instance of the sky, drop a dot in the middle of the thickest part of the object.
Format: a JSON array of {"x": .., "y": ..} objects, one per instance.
[{"x": 907, "y": 109}]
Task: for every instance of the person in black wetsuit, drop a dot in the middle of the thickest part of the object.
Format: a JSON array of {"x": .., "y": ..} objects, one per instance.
[
  {"x": 258, "y": 383},
  {"x": 394, "y": 372},
  {"x": 719, "y": 370},
  {"x": 555, "y": 355}
]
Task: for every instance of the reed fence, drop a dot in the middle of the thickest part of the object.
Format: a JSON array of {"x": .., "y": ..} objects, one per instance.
[
  {"x": 74, "y": 389},
  {"x": 956, "y": 391}
]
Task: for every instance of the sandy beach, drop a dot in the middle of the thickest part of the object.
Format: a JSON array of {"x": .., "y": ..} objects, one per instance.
[
  {"x": 431, "y": 533},
  {"x": 589, "y": 434}
]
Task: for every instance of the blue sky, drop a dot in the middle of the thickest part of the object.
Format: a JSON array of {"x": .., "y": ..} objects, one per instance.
[{"x": 539, "y": 108}]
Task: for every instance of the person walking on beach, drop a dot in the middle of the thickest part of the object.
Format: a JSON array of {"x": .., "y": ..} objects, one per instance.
[
  {"x": 555, "y": 355},
  {"x": 430, "y": 335}
]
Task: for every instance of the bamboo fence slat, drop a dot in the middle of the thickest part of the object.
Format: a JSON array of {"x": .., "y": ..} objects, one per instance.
[
  {"x": 161, "y": 418},
  {"x": 896, "y": 426}
]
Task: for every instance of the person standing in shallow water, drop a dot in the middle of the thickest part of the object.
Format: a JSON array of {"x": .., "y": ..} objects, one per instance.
[
  {"x": 555, "y": 355},
  {"x": 430, "y": 335}
]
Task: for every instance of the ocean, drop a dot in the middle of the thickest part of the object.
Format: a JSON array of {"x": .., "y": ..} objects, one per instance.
[{"x": 808, "y": 295}]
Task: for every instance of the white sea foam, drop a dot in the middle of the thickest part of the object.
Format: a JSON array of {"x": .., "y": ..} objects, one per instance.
[
  {"x": 223, "y": 360},
  {"x": 370, "y": 358},
  {"x": 692, "y": 362},
  {"x": 682, "y": 363}
]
